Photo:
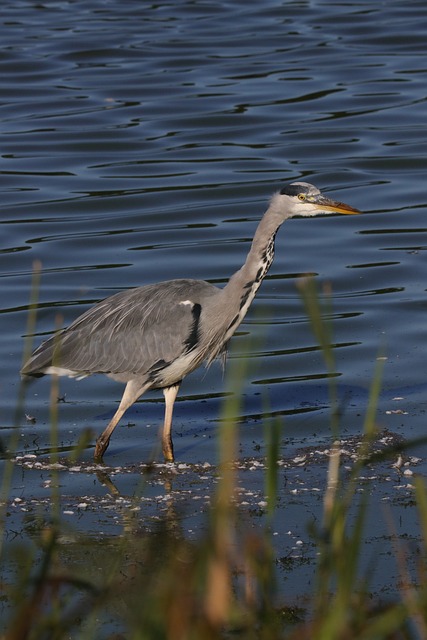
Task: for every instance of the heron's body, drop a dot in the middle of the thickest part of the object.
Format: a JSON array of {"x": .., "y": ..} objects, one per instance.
[{"x": 153, "y": 336}]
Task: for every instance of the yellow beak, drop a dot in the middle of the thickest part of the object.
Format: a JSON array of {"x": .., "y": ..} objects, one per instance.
[{"x": 326, "y": 204}]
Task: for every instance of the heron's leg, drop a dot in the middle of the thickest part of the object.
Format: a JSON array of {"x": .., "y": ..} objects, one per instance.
[
  {"x": 170, "y": 394},
  {"x": 132, "y": 392}
]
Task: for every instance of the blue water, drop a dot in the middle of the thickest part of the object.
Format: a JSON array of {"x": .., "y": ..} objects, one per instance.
[{"x": 142, "y": 141}]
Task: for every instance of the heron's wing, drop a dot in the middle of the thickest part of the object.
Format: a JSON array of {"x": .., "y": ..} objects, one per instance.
[{"x": 132, "y": 332}]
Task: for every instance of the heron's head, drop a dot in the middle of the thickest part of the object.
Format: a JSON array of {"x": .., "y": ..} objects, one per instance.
[{"x": 304, "y": 199}]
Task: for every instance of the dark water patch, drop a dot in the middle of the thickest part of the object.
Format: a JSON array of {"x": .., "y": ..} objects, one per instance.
[{"x": 99, "y": 499}]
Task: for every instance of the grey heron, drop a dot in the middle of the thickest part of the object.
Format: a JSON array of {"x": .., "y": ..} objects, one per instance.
[{"x": 153, "y": 336}]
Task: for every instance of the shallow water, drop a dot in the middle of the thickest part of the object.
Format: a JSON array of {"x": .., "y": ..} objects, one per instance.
[{"x": 141, "y": 143}]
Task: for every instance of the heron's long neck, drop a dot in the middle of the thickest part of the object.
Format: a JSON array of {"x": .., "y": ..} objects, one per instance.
[{"x": 243, "y": 285}]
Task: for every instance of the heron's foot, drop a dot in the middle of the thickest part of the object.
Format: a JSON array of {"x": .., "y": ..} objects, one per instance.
[
  {"x": 167, "y": 446},
  {"x": 101, "y": 447}
]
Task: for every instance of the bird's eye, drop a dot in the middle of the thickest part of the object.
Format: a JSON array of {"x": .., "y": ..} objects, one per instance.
[{"x": 301, "y": 196}]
